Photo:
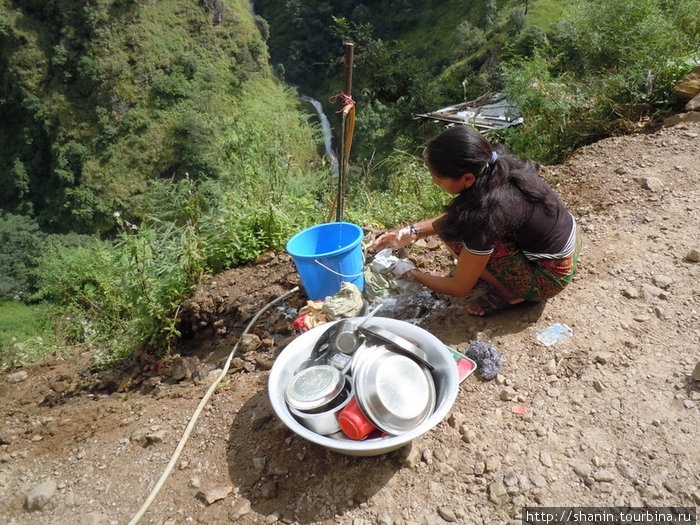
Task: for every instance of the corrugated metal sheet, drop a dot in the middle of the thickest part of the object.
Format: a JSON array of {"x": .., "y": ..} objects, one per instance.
[{"x": 491, "y": 111}]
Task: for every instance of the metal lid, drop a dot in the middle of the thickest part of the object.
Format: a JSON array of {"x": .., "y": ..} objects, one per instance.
[
  {"x": 399, "y": 343},
  {"x": 363, "y": 351},
  {"x": 314, "y": 387},
  {"x": 395, "y": 392}
]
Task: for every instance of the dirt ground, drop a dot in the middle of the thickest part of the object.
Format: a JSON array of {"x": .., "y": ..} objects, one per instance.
[{"x": 611, "y": 414}]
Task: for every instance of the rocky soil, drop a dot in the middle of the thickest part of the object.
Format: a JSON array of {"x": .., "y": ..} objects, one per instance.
[{"x": 608, "y": 416}]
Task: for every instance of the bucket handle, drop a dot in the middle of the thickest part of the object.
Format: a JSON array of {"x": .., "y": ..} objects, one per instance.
[{"x": 333, "y": 271}]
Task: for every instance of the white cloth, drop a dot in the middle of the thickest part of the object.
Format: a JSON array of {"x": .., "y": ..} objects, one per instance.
[
  {"x": 385, "y": 262},
  {"x": 401, "y": 267}
]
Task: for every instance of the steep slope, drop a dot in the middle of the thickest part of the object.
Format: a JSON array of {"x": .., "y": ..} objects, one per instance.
[{"x": 98, "y": 98}]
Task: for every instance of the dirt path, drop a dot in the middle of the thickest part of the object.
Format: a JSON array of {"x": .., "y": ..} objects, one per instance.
[{"x": 611, "y": 413}]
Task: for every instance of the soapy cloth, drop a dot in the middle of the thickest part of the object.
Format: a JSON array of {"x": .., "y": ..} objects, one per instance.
[
  {"x": 386, "y": 262},
  {"x": 346, "y": 303},
  {"x": 383, "y": 276},
  {"x": 401, "y": 266},
  {"x": 486, "y": 357}
]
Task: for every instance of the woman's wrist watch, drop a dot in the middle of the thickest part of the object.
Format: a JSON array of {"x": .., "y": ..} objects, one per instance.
[{"x": 414, "y": 230}]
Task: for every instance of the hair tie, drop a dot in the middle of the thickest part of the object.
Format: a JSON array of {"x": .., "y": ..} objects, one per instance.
[{"x": 494, "y": 157}]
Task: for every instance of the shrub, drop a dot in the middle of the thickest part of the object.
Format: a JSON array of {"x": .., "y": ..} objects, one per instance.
[
  {"x": 119, "y": 295},
  {"x": 170, "y": 87},
  {"x": 22, "y": 245},
  {"x": 409, "y": 194},
  {"x": 549, "y": 104},
  {"x": 610, "y": 62},
  {"x": 468, "y": 39}
]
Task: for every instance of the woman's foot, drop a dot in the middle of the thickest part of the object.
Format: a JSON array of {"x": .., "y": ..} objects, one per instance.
[{"x": 491, "y": 303}]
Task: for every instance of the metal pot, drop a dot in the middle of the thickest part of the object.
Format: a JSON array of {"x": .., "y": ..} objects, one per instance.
[
  {"x": 314, "y": 388},
  {"x": 326, "y": 422}
]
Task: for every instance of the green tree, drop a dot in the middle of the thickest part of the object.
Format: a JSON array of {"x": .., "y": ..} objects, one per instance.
[
  {"x": 22, "y": 245},
  {"x": 468, "y": 39}
]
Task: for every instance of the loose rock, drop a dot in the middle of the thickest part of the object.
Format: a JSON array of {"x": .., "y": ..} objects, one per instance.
[
  {"x": 213, "y": 494},
  {"x": 673, "y": 486},
  {"x": 662, "y": 281},
  {"x": 156, "y": 437},
  {"x": 239, "y": 509},
  {"x": 40, "y": 495},
  {"x": 183, "y": 367},
  {"x": 447, "y": 514},
  {"x": 693, "y": 256},
  {"x": 539, "y": 481},
  {"x": 507, "y": 394},
  {"x": 546, "y": 459},
  {"x": 498, "y": 493},
  {"x": 652, "y": 184},
  {"x": 631, "y": 292},
  {"x": 249, "y": 343},
  {"x": 411, "y": 456},
  {"x": 269, "y": 490},
  {"x": 603, "y": 475},
  {"x": 696, "y": 372},
  {"x": 17, "y": 377}
]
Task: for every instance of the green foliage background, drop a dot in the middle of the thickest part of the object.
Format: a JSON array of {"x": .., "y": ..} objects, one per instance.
[
  {"x": 578, "y": 70},
  {"x": 101, "y": 98}
]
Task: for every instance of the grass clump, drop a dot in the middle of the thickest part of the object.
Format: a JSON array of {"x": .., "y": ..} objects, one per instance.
[{"x": 26, "y": 333}]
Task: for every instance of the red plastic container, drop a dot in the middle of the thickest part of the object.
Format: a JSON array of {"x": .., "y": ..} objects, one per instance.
[{"x": 353, "y": 421}]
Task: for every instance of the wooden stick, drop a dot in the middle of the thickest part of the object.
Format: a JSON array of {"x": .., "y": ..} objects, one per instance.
[{"x": 346, "y": 135}]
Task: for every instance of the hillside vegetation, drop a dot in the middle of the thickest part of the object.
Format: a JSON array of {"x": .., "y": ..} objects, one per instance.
[
  {"x": 577, "y": 70},
  {"x": 144, "y": 144},
  {"x": 101, "y": 98}
]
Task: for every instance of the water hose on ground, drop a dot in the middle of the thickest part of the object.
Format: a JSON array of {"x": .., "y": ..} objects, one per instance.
[{"x": 198, "y": 411}]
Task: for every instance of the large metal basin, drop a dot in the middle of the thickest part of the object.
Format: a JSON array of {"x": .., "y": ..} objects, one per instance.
[{"x": 444, "y": 375}]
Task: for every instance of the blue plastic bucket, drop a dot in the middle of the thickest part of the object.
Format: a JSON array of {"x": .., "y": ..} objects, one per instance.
[{"x": 327, "y": 254}]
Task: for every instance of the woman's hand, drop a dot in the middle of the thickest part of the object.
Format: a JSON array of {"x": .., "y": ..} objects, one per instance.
[
  {"x": 395, "y": 239},
  {"x": 410, "y": 275}
]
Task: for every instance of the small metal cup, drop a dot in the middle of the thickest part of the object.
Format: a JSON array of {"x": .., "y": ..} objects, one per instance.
[{"x": 346, "y": 339}]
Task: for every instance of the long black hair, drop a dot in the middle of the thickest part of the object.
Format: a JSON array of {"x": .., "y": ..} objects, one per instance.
[{"x": 502, "y": 180}]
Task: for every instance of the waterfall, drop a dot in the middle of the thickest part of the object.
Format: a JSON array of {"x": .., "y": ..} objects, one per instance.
[{"x": 326, "y": 128}]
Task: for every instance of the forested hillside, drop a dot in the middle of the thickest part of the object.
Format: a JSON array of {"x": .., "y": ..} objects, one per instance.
[
  {"x": 100, "y": 98},
  {"x": 142, "y": 146}
]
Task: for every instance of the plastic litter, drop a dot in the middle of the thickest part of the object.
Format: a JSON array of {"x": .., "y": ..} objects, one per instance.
[
  {"x": 554, "y": 333},
  {"x": 465, "y": 366}
]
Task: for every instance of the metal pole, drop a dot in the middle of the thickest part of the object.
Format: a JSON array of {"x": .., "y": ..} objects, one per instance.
[{"x": 344, "y": 148}]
